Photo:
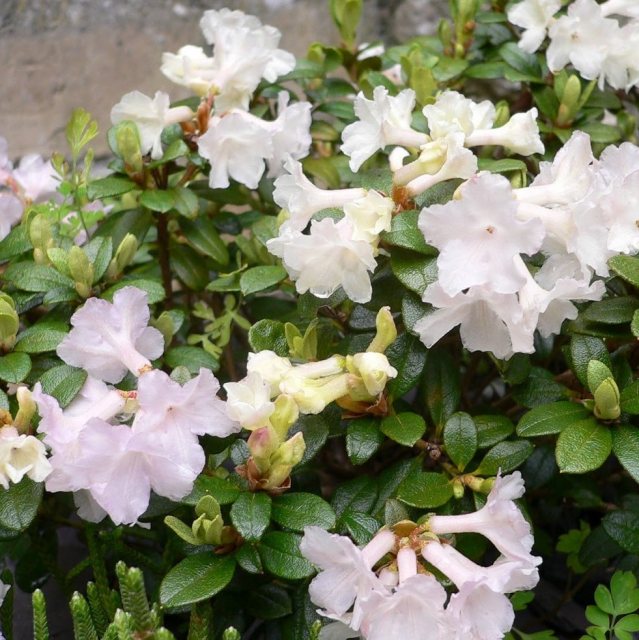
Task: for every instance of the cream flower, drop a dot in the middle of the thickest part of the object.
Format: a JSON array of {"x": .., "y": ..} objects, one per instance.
[
  {"x": 249, "y": 401},
  {"x": 370, "y": 215},
  {"x": 21, "y": 455},
  {"x": 454, "y": 113},
  {"x": 270, "y": 367}
]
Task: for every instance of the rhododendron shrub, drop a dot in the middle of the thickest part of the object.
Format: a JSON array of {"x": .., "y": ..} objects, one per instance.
[{"x": 344, "y": 346}]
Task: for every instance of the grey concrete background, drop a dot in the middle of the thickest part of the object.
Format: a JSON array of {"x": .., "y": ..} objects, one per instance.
[{"x": 56, "y": 55}]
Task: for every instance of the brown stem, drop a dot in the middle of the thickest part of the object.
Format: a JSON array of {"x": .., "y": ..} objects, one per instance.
[{"x": 163, "y": 251}]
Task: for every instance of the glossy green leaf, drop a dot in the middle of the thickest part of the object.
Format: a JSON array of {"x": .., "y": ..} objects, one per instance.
[
  {"x": 550, "y": 418},
  {"x": 204, "y": 237},
  {"x": 405, "y": 428},
  {"x": 425, "y": 490},
  {"x": 14, "y": 367},
  {"x": 281, "y": 555},
  {"x": 251, "y": 515},
  {"x": 460, "y": 439},
  {"x": 363, "y": 439},
  {"x": 260, "y": 278},
  {"x": 505, "y": 456},
  {"x": 19, "y": 505},
  {"x": 298, "y": 510},
  {"x": 583, "y": 446}
]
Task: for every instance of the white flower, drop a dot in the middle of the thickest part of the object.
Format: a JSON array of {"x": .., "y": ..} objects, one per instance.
[
  {"x": 621, "y": 208},
  {"x": 534, "y": 16},
  {"x": 479, "y": 235},
  {"x": 190, "y": 409},
  {"x": 583, "y": 37},
  {"x": 271, "y": 367},
  {"x": 627, "y": 8},
  {"x": 326, "y": 259},
  {"x": 21, "y": 455},
  {"x": 499, "y": 520},
  {"x": 11, "y": 210},
  {"x": 375, "y": 371},
  {"x": 314, "y": 395},
  {"x": 480, "y": 613},
  {"x": 346, "y": 577},
  {"x": 454, "y": 113},
  {"x": 415, "y": 609},
  {"x": 301, "y": 198},
  {"x": 249, "y": 401},
  {"x": 384, "y": 120},
  {"x": 290, "y": 133},
  {"x": 237, "y": 147},
  {"x": 36, "y": 178},
  {"x": 503, "y": 576},
  {"x": 370, "y": 215},
  {"x": 150, "y": 115},
  {"x": 519, "y": 135},
  {"x": 442, "y": 159},
  {"x": 109, "y": 338},
  {"x": 189, "y": 67},
  {"x": 487, "y": 321},
  {"x": 6, "y": 166},
  {"x": 567, "y": 179},
  {"x": 244, "y": 52}
]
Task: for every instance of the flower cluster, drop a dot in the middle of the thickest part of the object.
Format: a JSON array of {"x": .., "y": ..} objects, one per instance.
[
  {"x": 343, "y": 251},
  {"x": 383, "y": 591},
  {"x": 598, "y": 39},
  {"x": 110, "y": 465},
  {"x": 238, "y": 144},
  {"x": 33, "y": 180},
  {"x": 577, "y": 213}
]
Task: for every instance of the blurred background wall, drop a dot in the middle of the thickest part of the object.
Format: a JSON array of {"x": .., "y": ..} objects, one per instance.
[{"x": 56, "y": 55}]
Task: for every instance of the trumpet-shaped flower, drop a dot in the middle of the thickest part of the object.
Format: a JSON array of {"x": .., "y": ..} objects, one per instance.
[
  {"x": 190, "y": 409},
  {"x": 21, "y": 455},
  {"x": 534, "y": 17},
  {"x": 150, "y": 115},
  {"x": 384, "y": 120},
  {"x": 237, "y": 147},
  {"x": 487, "y": 321},
  {"x": 479, "y": 235},
  {"x": 499, "y": 520},
  {"x": 249, "y": 401},
  {"x": 346, "y": 578},
  {"x": 519, "y": 135},
  {"x": 301, "y": 198},
  {"x": 326, "y": 259},
  {"x": 454, "y": 113},
  {"x": 270, "y": 367},
  {"x": 370, "y": 215},
  {"x": 375, "y": 371},
  {"x": 416, "y": 607},
  {"x": 109, "y": 338},
  {"x": 189, "y": 67}
]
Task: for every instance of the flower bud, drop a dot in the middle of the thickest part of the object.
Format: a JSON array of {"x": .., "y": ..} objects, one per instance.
[
  {"x": 285, "y": 458},
  {"x": 569, "y": 101},
  {"x": 285, "y": 415},
  {"x": 231, "y": 634},
  {"x": 41, "y": 238},
  {"x": 386, "y": 331},
  {"x": 123, "y": 256},
  {"x": 127, "y": 142},
  {"x": 607, "y": 400},
  {"x": 26, "y": 409},
  {"x": 81, "y": 271},
  {"x": 208, "y": 525},
  {"x": 374, "y": 370},
  {"x": 9, "y": 322},
  {"x": 262, "y": 444}
]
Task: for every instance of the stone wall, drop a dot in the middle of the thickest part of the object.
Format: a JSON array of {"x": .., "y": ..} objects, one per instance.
[{"x": 59, "y": 54}]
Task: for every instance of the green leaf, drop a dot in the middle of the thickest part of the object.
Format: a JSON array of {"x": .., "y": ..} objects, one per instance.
[
  {"x": 280, "y": 552},
  {"x": 405, "y": 428},
  {"x": 596, "y": 616},
  {"x": 612, "y": 310},
  {"x": 63, "y": 383},
  {"x": 360, "y": 526},
  {"x": 505, "y": 165},
  {"x": 492, "y": 429},
  {"x": 15, "y": 367},
  {"x": 550, "y": 418},
  {"x": 249, "y": 559},
  {"x": 625, "y": 595},
  {"x": 41, "y": 337},
  {"x": 99, "y": 251},
  {"x": 405, "y": 233},
  {"x": 626, "y": 267},
  {"x": 269, "y": 602},
  {"x": 425, "y": 490},
  {"x": 109, "y": 187},
  {"x": 408, "y": 355},
  {"x": 193, "y": 358},
  {"x": 630, "y": 398},
  {"x": 583, "y": 349},
  {"x": 623, "y": 527},
  {"x": 625, "y": 445},
  {"x": 602, "y": 133},
  {"x": 15, "y": 243},
  {"x": 154, "y": 289},
  {"x": 182, "y": 530},
  {"x": 628, "y": 623},
  {"x": 443, "y": 387},
  {"x": 203, "y": 235},
  {"x": 363, "y": 439},
  {"x": 460, "y": 439},
  {"x": 251, "y": 515},
  {"x": 298, "y": 510},
  {"x": 525, "y": 63},
  {"x": 413, "y": 270},
  {"x": 29, "y": 276},
  {"x": 189, "y": 267},
  {"x": 185, "y": 201},
  {"x": 223, "y": 490},
  {"x": 583, "y": 446},
  {"x": 196, "y": 578},
  {"x": 19, "y": 504},
  {"x": 260, "y": 278},
  {"x": 158, "y": 200},
  {"x": 269, "y": 334},
  {"x": 505, "y": 456}
]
